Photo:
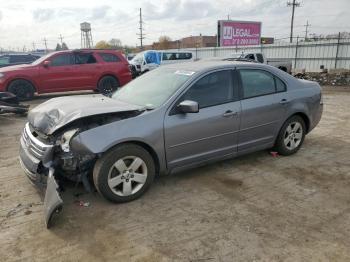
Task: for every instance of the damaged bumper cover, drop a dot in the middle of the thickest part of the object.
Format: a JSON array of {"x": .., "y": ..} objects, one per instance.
[
  {"x": 35, "y": 159},
  {"x": 53, "y": 203}
]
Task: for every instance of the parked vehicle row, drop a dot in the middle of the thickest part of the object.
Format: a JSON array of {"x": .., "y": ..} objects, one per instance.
[
  {"x": 148, "y": 60},
  {"x": 284, "y": 65},
  {"x": 16, "y": 59},
  {"x": 98, "y": 70},
  {"x": 171, "y": 119}
]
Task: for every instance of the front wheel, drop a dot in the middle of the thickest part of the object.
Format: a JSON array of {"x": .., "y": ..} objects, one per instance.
[
  {"x": 291, "y": 136},
  {"x": 124, "y": 173},
  {"x": 107, "y": 85},
  {"x": 23, "y": 89}
]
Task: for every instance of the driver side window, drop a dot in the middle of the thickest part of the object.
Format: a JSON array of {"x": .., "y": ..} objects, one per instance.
[{"x": 213, "y": 89}]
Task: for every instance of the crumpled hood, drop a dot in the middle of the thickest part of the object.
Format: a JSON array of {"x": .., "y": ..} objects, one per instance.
[{"x": 57, "y": 112}]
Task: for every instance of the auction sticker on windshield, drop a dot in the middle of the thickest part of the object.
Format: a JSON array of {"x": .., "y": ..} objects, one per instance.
[{"x": 184, "y": 72}]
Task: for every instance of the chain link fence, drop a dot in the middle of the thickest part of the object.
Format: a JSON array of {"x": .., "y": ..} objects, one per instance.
[{"x": 311, "y": 56}]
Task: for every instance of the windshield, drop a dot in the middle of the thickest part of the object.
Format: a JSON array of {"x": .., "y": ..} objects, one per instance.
[
  {"x": 138, "y": 59},
  {"x": 237, "y": 55},
  {"x": 41, "y": 59},
  {"x": 153, "y": 88}
]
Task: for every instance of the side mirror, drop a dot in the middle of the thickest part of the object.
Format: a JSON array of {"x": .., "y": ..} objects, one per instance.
[
  {"x": 188, "y": 106},
  {"x": 46, "y": 63}
]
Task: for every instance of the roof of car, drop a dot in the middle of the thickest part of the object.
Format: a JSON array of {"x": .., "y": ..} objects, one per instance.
[{"x": 204, "y": 65}]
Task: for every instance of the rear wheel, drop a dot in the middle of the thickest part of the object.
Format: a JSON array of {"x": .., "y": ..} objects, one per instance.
[
  {"x": 23, "y": 89},
  {"x": 124, "y": 173},
  {"x": 291, "y": 136},
  {"x": 107, "y": 85}
]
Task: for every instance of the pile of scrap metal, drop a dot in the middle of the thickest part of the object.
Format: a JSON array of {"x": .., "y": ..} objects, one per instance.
[{"x": 10, "y": 104}]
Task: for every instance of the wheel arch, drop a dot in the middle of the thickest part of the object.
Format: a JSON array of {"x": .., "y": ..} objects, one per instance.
[
  {"x": 21, "y": 78},
  {"x": 108, "y": 74},
  {"x": 145, "y": 146},
  {"x": 305, "y": 118}
]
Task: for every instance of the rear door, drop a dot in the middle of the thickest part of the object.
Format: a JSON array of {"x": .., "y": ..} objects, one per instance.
[
  {"x": 60, "y": 75},
  {"x": 88, "y": 69},
  {"x": 262, "y": 110},
  {"x": 210, "y": 133}
]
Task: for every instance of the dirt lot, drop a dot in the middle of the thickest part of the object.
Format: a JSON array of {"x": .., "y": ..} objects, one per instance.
[{"x": 253, "y": 208}]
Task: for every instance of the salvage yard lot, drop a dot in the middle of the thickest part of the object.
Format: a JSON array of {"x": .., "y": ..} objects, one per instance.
[{"x": 252, "y": 208}]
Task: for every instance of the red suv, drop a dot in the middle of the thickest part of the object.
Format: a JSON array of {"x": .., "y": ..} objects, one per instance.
[{"x": 98, "y": 70}]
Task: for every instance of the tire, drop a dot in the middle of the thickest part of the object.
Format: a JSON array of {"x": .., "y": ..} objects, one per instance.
[
  {"x": 291, "y": 136},
  {"x": 23, "y": 89},
  {"x": 112, "y": 178},
  {"x": 107, "y": 85}
]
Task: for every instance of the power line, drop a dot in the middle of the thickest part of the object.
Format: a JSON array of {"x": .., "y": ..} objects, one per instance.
[
  {"x": 45, "y": 43},
  {"x": 306, "y": 29},
  {"x": 61, "y": 38},
  {"x": 293, "y": 4},
  {"x": 141, "y": 34}
]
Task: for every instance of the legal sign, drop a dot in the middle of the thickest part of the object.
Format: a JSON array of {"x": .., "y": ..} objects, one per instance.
[{"x": 238, "y": 33}]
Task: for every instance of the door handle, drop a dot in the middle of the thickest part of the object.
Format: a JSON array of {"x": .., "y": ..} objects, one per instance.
[
  {"x": 229, "y": 113},
  {"x": 284, "y": 101}
]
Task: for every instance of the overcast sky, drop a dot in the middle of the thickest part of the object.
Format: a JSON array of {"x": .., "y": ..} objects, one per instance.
[{"x": 23, "y": 22}]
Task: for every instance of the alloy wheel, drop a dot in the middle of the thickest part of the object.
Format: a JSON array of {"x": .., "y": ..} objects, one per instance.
[
  {"x": 293, "y": 135},
  {"x": 127, "y": 176}
]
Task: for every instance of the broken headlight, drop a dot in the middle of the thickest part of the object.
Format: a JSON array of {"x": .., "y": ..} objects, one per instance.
[{"x": 66, "y": 138}]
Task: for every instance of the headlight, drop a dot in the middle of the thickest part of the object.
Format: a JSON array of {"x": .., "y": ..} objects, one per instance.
[
  {"x": 1, "y": 75},
  {"x": 65, "y": 139}
]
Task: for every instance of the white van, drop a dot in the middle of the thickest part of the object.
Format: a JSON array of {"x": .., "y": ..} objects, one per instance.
[{"x": 151, "y": 59}]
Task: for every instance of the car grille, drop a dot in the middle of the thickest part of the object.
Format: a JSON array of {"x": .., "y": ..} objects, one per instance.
[{"x": 34, "y": 145}]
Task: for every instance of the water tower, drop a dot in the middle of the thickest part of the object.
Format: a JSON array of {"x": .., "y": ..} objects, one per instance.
[{"x": 86, "y": 37}]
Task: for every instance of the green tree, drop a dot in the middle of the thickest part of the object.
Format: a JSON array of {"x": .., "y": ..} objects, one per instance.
[
  {"x": 103, "y": 45},
  {"x": 58, "y": 47},
  {"x": 164, "y": 42},
  {"x": 64, "y": 46},
  {"x": 115, "y": 43}
]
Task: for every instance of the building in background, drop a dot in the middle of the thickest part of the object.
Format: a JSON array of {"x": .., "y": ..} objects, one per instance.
[{"x": 198, "y": 41}]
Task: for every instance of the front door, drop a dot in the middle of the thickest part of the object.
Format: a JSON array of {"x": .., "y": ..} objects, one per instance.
[
  {"x": 60, "y": 75},
  {"x": 212, "y": 132}
]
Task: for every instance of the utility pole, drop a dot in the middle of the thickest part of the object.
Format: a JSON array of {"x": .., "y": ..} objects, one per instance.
[
  {"x": 306, "y": 29},
  {"x": 61, "y": 38},
  {"x": 141, "y": 34},
  {"x": 33, "y": 46},
  {"x": 45, "y": 43},
  {"x": 293, "y": 4},
  {"x": 228, "y": 17}
]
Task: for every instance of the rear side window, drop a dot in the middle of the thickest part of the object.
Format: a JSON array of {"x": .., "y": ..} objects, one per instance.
[
  {"x": 260, "y": 58},
  {"x": 4, "y": 60},
  {"x": 84, "y": 58},
  {"x": 213, "y": 89},
  {"x": 258, "y": 83},
  {"x": 18, "y": 59},
  {"x": 109, "y": 58},
  {"x": 177, "y": 56},
  {"x": 62, "y": 60},
  {"x": 280, "y": 86}
]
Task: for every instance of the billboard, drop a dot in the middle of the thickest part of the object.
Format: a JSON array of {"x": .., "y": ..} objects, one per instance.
[{"x": 238, "y": 33}]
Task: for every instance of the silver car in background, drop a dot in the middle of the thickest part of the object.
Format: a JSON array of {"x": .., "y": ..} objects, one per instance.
[{"x": 173, "y": 118}]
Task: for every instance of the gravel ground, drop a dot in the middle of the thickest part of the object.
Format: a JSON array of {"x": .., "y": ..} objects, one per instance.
[{"x": 252, "y": 208}]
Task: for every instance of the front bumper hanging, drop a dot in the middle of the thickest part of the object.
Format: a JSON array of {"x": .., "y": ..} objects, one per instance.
[{"x": 52, "y": 203}]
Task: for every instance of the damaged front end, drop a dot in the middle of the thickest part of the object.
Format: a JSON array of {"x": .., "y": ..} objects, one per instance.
[{"x": 49, "y": 156}]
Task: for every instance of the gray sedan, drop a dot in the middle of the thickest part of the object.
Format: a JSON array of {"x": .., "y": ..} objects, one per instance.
[{"x": 171, "y": 119}]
